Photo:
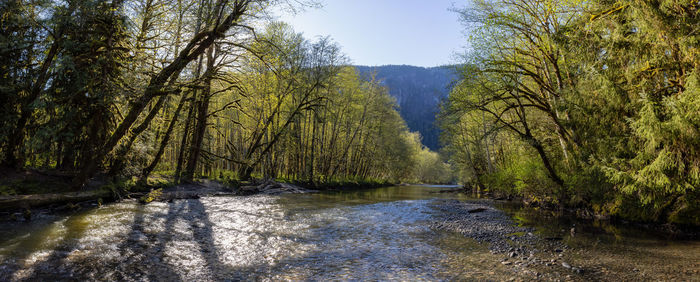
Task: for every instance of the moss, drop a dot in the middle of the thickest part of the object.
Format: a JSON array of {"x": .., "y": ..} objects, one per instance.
[
  {"x": 159, "y": 181},
  {"x": 120, "y": 187},
  {"x": 522, "y": 233},
  {"x": 6, "y": 190},
  {"x": 153, "y": 195},
  {"x": 27, "y": 214}
]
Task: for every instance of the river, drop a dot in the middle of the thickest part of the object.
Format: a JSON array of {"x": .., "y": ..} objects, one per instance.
[{"x": 373, "y": 234}]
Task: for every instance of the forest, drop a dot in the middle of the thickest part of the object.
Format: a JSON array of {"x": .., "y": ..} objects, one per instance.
[
  {"x": 587, "y": 105},
  {"x": 591, "y": 105},
  {"x": 124, "y": 90},
  {"x": 336, "y": 140}
]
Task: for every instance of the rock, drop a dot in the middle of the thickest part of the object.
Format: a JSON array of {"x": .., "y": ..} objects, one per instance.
[
  {"x": 513, "y": 254},
  {"x": 506, "y": 263},
  {"x": 249, "y": 188},
  {"x": 476, "y": 210},
  {"x": 27, "y": 213},
  {"x": 565, "y": 265}
]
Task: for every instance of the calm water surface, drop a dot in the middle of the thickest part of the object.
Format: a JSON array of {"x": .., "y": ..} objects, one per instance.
[{"x": 374, "y": 234}]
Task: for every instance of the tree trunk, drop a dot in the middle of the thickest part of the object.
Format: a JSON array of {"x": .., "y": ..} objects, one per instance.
[
  {"x": 197, "y": 45},
  {"x": 13, "y": 156},
  {"x": 164, "y": 142},
  {"x": 202, "y": 114},
  {"x": 183, "y": 142},
  {"x": 545, "y": 160},
  {"x": 122, "y": 152}
]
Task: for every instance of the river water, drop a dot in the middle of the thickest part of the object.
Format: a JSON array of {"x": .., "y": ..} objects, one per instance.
[{"x": 374, "y": 234}]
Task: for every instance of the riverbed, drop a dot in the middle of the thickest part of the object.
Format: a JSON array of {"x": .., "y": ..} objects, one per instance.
[{"x": 375, "y": 234}]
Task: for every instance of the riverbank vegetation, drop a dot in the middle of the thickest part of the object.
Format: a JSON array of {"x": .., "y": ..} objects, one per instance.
[
  {"x": 583, "y": 104},
  {"x": 129, "y": 89}
]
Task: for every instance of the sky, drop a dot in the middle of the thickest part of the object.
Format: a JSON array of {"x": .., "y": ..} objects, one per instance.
[{"x": 383, "y": 32}]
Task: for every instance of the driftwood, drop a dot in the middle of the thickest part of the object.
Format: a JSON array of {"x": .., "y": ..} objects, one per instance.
[
  {"x": 476, "y": 210},
  {"x": 271, "y": 187},
  {"x": 37, "y": 200}
]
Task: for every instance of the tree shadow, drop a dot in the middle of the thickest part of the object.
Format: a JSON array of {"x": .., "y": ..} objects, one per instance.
[
  {"x": 20, "y": 247},
  {"x": 53, "y": 265},
  {"x": 168, "y": 245},
  {"x": 138, "y": 253},
  {"x": 142, "y": 253}
]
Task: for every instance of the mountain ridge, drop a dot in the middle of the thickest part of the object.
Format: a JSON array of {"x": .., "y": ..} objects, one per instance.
[{"x": 418, "y": 92}]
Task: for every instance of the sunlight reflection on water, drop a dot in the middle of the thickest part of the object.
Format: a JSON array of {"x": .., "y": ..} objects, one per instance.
[
  {"x": 219, "y": 238},
  {"x": 373, "y": 234}
]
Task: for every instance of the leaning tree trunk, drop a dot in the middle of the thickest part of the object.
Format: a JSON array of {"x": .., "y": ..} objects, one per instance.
[
  {"x": 548, "y": 165},
  {"x": 163, "y": 143},
  {"x": 202, "y": 114},
  {"x": 122, "y": 152}
]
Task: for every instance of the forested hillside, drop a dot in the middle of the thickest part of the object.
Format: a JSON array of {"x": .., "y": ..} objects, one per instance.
[
  {"x": 418, "y": 92},
  {"x": 592, "y": 104}
]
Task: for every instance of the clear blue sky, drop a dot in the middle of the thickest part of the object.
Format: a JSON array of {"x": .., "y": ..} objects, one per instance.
[{"x": 380, "y": 32}]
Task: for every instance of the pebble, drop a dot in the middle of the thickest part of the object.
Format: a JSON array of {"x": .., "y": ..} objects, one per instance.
[
  {"x": 565, "y": 265},
  {"x": 496, "y": 229}
]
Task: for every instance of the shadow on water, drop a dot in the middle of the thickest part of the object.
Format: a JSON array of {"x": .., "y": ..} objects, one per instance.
[
  {"x": 204, "y": 235},
  {"x": 141, "y": 250},
  {"x": 373, "y": 234},
  {"x": 144, "y": 252},
  {"x": 17, "y": 237},
  {"x": 135, "y": 249}
]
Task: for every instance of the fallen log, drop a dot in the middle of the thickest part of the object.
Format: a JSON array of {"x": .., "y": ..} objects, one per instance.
[
  {"x": 38, "y": 200},
  {"x": 271, "y": 187}
]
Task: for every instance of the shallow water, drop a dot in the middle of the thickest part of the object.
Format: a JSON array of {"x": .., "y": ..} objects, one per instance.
[{"x": 374, "y": 234}]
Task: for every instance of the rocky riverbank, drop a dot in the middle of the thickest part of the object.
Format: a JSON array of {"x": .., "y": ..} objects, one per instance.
[
  {"x": 521, "y": 248},
  {"x": 25, "y": 207},
  {"x": 271, "y": 187}
]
